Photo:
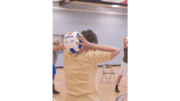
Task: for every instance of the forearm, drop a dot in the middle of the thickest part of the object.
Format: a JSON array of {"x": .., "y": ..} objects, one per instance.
[
  {"x": 57, "y": 48},
  {"x": 103, "y": 47},
  {"x": 125, "y": 42},
  {"x": 125, "y": 45}
]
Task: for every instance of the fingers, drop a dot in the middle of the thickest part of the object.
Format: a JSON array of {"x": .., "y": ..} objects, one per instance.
[
  {"x": 79, "y": 38},
  {"x": 82, "y": 36},
  {"x": 79, "y": 43}
]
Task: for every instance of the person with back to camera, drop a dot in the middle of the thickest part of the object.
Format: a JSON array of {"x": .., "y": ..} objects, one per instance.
[
  {"x": 56, "y": 48},
  {"x": 80, "y": 68},
  {"x": 124, "y": 65}
]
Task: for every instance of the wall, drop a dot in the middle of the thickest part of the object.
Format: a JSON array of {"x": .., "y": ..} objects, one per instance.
[{"x": 109, "y": 28}]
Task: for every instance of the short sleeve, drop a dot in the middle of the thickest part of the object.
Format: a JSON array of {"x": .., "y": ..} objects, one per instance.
[
  {"x": 125, "y": 49},
  {"x": 97, "y": 57}
]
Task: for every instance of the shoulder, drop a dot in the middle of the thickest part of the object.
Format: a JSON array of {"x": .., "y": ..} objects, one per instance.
[
  {"x": 65, "y": 53},
  {"x": 97, "y": 53}
]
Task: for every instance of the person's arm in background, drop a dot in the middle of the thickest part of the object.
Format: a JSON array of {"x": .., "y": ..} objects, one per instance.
[
  {"x": 58, "y": 46},
  {"x": 125, "y": 43},
  {"x": 88, "y": 46}
]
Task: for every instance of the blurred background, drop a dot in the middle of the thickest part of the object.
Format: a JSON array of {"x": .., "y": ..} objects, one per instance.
[{"x": 106, "y": 18}]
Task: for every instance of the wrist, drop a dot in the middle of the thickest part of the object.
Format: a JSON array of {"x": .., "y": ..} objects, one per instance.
[{"x": 91, "y": 45}]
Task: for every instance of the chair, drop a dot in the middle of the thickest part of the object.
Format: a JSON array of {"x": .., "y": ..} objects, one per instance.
[{"x": 107, "y": 66}]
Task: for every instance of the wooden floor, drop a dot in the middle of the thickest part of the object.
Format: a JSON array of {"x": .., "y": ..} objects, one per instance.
[{"x": 106, "y": 91}]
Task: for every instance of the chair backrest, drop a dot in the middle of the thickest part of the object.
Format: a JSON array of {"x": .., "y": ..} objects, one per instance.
[{"x": 106, "y": 66}]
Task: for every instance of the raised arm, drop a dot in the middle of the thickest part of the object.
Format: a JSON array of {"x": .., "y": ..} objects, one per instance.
[
  {"x": 57, "y": 45},
  {"x": 57, "y": 48},
  {"x": 114, "y": 51},
  {"x": 125, "y": 42},
  {"x": 87, "y": 45}
]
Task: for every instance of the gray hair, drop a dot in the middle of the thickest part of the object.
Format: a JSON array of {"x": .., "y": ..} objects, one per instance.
[{"x": 55, "y": 40}]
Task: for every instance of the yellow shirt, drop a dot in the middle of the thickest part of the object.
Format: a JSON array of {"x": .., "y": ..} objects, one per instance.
[{"x": 80, "y": 71}]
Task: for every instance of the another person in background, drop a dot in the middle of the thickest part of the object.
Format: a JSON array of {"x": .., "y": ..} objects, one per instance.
[
  {"x": 124, "y": 65},
  {"x": 56, "y": 48}
]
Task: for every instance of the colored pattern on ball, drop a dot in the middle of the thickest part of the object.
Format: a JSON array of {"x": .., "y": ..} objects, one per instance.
[{"x": 72, "y": 50}]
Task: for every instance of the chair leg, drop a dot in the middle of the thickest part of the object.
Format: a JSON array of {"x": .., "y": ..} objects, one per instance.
[
  {"x": 110, "y": 78},
  {"x": 106, "y": 79},
  {"x": 102, "y": 77}
]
